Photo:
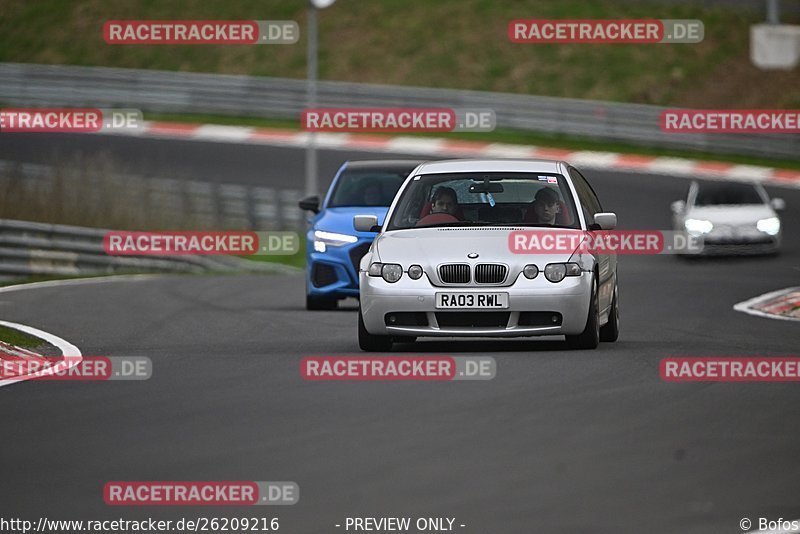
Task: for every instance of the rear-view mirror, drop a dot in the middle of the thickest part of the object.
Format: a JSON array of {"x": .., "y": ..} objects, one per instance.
[{"x": 366, "y": 223}]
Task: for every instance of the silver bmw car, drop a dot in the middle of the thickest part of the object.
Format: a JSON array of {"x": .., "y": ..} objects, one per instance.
[{"x": 443, "y": 265}]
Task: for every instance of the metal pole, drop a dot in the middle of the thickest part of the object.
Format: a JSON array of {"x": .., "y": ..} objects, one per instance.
[
  {"x": 311, "y": 101},
  {"x": 773, "y": 12}
]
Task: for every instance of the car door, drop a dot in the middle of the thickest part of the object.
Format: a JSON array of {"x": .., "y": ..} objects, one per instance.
[{"x": 606, "y": 263}]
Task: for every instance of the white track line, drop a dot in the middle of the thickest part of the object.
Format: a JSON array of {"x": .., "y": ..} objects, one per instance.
[
  {"x": 72, "y": 355},
  {"x": 746, "y": 306},
  {"x": 77, "y": 281}
]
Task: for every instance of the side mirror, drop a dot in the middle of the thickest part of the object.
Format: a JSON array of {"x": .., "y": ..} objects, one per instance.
[
  {"x": 310, "y": 204},
  {"x": 606, "y": 221},
  {"x": 366, "y": 223},
  {"x": 778, "y": 204},
  {"x": 677, "y": 207}
]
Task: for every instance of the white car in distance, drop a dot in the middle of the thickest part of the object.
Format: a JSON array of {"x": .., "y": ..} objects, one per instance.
[{"x": 731, "y": 218}]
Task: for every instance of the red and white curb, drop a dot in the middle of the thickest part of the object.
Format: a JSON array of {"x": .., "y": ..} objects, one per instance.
[
  {"x": 440, "y": 147},
  {"x": 782, "y": 304},
  {"x": 70, "y": 354}
]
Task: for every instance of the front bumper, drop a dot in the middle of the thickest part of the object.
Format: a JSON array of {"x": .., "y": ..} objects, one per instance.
[
  {"x": 568, "y": 300},
  {"x": 334, "y": 273},
  {"x": 739, "y": 245}
]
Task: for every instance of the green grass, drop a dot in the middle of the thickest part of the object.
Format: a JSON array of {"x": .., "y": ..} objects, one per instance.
[
  {"x": 507, "y": 136},
  {"x": 295, "y": 260},
  {"x": 19, "y": 339},
  {"x": 442, "y": 43}
]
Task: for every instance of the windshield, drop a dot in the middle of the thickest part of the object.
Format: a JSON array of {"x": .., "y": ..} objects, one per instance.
[
  {"x": 367, "y": 188},
  {"x": 485, "y": 199},
  {"x": 727, "y": 194}
]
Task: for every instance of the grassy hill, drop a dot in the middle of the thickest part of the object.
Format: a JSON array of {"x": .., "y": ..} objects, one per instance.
[{"x": 439, "y": 43}]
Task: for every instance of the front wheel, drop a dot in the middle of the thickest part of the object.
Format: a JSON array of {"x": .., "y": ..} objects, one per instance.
[
  {"x": 609, "y": 332},
  {"x": 590, "y": 337},
  {"x": 371, "y": 343}
]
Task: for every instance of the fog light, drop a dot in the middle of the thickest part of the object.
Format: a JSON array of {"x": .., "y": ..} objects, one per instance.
[
  {"x": 415, "y": 272},
  {"x": 530, "y": 271}
]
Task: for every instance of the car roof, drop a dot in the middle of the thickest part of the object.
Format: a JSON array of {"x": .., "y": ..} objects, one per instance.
[
  {"x": 490, "y": 165},
  {"x": 384, "y": 164}
]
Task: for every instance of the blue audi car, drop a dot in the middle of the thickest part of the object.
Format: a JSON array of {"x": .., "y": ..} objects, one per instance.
[{"x": 334, "y": 247}]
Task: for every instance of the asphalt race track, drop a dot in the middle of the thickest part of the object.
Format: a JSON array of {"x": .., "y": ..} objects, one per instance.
[{"x": 559, "y": 441}]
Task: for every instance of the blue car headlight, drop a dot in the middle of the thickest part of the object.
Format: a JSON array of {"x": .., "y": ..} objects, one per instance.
[{"x": 322, "y": 240}]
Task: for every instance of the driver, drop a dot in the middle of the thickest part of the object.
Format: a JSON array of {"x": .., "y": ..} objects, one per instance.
[
  {"x": 445, "y": 200},
  {"x": 444, "y": 207},
  {"x": 545, "y": 207},
  {"x": 373, "y": 195}
]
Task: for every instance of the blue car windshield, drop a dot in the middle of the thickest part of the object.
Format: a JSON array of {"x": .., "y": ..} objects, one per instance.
[{"x": 366, "y": 188}]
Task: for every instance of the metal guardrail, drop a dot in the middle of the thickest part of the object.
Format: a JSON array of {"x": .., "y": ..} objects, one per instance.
[
  {"x": 171, "y": 201},
  {"x": 31, "y": 248},
  {"x": 182, "y": 92}
]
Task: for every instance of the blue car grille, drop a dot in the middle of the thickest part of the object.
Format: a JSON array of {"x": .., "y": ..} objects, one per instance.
[{"x": 357, "y": 252}]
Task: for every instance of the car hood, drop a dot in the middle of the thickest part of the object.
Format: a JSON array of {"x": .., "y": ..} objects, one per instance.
[
  {"x": 341, "y": 219},
  {"x": 731, "y": 215},
  {"x": 430, "y": 247}
]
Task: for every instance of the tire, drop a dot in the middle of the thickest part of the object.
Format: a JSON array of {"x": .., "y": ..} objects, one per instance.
[
  {"x": 609, "y": 332},
  {"x": 320, "y": 303},
  {"x": 371, "y": 343},
  {"x": 590, "y": 337},
  {"x": 404, "y": 339}
]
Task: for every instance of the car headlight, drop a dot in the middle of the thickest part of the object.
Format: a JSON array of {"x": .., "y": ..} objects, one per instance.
[
  {"x": 332, "y": 239},
  {"x": 769, "y": 226},
  {"x": 556, "y": 272},
  {"x": 391, "y": 272},
  {"x": 530, "y": 271},
  {"x": 698, "y": 226},
  {"x": 415, "y": 272}
]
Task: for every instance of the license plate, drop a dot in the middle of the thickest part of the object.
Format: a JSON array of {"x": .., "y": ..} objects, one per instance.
[{"x": 479, "y": 301}]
